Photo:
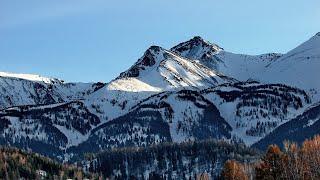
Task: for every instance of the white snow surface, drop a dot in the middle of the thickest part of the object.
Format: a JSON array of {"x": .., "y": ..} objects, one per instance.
[
  {"x": 30, "y": 77},
  {"x": 241, "y": 67},
  {"x": 299, "y": 67}
]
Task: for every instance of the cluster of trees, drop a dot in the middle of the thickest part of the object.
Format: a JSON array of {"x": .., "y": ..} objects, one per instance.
[
  {"x": 18, "y": 164},
  {"x": 274, "y": 98},
  {"x": 168, "y": 160},
  {"x": 293, "y": 162},
  {"x": 36, "y": 129},
  {"x": 78, "y": 116},
  {"x": 261, "y": 128},
  {"x": 75, "y": 112}
]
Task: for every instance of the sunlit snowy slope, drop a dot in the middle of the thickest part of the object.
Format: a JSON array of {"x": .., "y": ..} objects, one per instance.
[{"x": 299, "y": 67}]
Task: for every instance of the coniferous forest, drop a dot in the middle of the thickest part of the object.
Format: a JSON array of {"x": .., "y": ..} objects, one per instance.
[
  {"x": 208, "y": 159},
  {"x": 18, "y": 164},
  {"x": 169, "y": 160}
]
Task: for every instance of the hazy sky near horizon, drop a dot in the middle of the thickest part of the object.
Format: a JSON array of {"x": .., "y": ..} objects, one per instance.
[{"x": 95, "y": 40}]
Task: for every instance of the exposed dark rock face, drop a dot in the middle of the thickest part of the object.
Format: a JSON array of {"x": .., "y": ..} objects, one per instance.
[
  {"x": 195, "y": 42},
  {"x": 147, "y": 60}
]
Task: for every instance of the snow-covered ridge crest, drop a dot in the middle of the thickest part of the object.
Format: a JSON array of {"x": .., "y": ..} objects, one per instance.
[
  {"x": 309, "y": 46},
  {"x": 238, "y": 66},
  {"x": 30, "y": 77},
  {"x": 299, "y": 67}
]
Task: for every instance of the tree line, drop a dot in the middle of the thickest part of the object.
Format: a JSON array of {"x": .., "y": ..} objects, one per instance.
[
  {"x": 18, "y": 164},
  {"x": 186, "y": 160},
  {"x": 293, "y": 162}
]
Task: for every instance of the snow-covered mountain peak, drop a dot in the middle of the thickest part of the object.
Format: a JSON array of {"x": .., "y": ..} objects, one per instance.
[
  {"x": 196, "y": 48},
  {"x": 152, "y": 55},
  {"x": 161, "y": 69}
]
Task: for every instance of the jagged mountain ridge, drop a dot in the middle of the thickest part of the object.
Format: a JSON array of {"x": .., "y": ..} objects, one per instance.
[
  {"x": 195, "y": 90},
  {"x": 164, "y": 70},
  {"x": 239, "y": 66}
]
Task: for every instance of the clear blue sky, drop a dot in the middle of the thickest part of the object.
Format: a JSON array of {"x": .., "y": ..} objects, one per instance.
[{"x": 95, "y": 40}]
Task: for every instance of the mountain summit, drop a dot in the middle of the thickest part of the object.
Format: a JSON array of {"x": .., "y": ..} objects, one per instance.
[{"x": 196, "y": 48}]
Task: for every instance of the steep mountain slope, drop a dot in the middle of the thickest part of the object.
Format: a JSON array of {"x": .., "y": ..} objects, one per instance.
[
  {"x": 253, "y": 110},
  {"x": 26, "y": 89},
  {"x": 303, "y": 127},
  {"x": 239, "y": 111},
  {"x": 47, "y": 129},
  {"x": 299, "y": 67},
  {"x": 165, "y": 117}
]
